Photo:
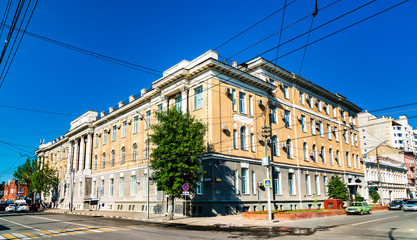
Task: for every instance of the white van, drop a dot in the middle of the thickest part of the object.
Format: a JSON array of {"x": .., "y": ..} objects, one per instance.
[{"x": 20, "y": 201}]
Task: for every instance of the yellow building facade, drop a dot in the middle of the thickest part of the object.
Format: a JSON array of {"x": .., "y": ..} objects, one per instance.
[{"x": 252, "y": 110}]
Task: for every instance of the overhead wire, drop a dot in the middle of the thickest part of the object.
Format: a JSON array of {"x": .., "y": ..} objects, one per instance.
[{"x": 313, "y": 16}]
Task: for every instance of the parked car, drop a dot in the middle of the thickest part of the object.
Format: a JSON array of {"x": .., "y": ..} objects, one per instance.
[
  {"x": 410, "y": 205},
  {"x": 11, "y": 208},
  {"x": 33, "y": 207},
  {"x": 3, "y": 206},
  {"x": 359, "y": 208},
  {"x": 396, "y": 204},
  {"x": 22, "y": 207}
]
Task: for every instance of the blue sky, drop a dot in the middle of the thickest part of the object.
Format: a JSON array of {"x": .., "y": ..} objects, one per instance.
[{"x": 372, "y": 63}]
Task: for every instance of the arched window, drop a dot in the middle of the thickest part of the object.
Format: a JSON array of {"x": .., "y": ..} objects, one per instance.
[
  {"x": 289, "y": 148},
  {"x": 113, "y": 158},
  {"x": 243, "y": 140},
  {"x": 123, "y": 155},
  {"x": 103, "y": 161},
  {"x": 274, "y": 146},
  {"x": 347, "y": 159},
  {"x": 337, "y": 157},
  {"x": 134, "y": 152},
  {"x": 323, "y": 155},
  {"x": 305, "y": 151},
  {"x": 95, "y": 162},
  {"x": 331, "y": 156},
  {"x": 314, "y": 152}
]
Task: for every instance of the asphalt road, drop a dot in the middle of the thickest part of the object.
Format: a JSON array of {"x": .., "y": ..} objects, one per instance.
[{"x": 379, "y": 225}]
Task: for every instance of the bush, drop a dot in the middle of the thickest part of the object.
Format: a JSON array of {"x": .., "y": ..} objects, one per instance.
[
  {"x": 337, "y": 189},
  {"x": 374, "y": 196},
  {"x": 359, "y": 198}
]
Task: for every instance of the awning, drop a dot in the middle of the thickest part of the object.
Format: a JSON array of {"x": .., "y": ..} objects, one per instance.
[{"x": 91, "y": 200}]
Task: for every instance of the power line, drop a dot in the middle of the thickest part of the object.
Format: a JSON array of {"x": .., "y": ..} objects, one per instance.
[
  {"x": 313, "y": 16},
  {"x": 40, "y": 111},
  {"x": 282, "y": 25},
  {"x": 388, "y": 108},
  {"x": 247, "y": 29}
]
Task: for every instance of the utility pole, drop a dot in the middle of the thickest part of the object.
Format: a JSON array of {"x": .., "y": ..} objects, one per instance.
[
  {"x": 148, "y": 176},
  {"x": 72, "y": 189},
  {"x": 266, "y": 130}
]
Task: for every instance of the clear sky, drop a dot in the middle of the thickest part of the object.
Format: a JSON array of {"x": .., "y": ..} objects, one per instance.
[{"x": 373, "y": 63}]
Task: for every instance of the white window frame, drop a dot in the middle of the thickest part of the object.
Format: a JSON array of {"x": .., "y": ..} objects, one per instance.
[
  {"x": 124, "y": 125},
  {"x": 114, "y": 133},
  {"x": 242, "y": 103},
  {"x": 111, "y": 187},
  {"x": 308, "y": 184},
  {"x": 245, "y": 181},
  {"x": 148, "y": 120},
  {"x": 251, "y": 105},
  {"x": 286, "y": 92},
  {"x": 133, "y": 185},
  {"x": 135, "y": 124},
  {"x": 234, "y": 100},
  {"x": 121, "y": 187},
  {"x": 317, "y": 183},
  {"x": 198, "y": 98}
]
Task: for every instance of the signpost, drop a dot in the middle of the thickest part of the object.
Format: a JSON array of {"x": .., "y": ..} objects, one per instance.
[{"x": 185, "y": 193}]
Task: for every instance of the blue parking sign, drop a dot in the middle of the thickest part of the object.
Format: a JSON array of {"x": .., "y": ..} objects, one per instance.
[{"x": 267, "y": 182}]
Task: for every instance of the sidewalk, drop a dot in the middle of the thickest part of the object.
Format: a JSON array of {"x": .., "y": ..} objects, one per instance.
[{"x": 227, "y": 221}]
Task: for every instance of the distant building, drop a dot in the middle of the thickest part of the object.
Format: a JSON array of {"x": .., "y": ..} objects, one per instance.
[
  {"x": 312, "y": 135},
  {"x": 14, "y": 191},
  {"x": 386, "y": 174},
  {"x": 396, "y": 133}
]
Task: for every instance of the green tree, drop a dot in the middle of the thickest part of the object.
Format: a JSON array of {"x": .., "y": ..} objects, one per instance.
[
  {"x": 44, "y": 179},
  {"x": 374, "y": 196},
  {"x": 179, "y": 142},
  {"x": 359, "y": 198},
  {"x": 337, "y": 189},
  {"x": 24, "y": 173}
]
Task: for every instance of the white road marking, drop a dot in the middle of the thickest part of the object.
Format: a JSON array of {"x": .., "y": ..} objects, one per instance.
[
  {"x": 54, "y": 220},
  {"x": 1, "y": 237},
  {"x": 379, "y": 219},
  {"x": 409, "y": 214},
  {"x": 58, "y": 233},
  {"x": 19, "y": 224},
  {"x": 20, "y": 236}
]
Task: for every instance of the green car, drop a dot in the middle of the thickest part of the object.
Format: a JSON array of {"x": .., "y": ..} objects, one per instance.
[{"x": 359, "y": 208}]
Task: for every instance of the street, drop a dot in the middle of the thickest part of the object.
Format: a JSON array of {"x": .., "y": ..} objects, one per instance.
[{"x": 379, "y": 225}]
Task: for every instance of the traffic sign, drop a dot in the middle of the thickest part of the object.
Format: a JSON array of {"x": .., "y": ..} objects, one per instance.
[
  {"x": 268, "y": 183},
  {"x": 186, "y": 193},
  {"x": 185, "y": 187}
]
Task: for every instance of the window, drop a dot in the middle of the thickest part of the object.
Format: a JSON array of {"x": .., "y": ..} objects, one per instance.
[
  {"x": 331, "y": 157},
  {"x": 313, "y": 126},
  {"x": 345, "y": 137},
  {"x": 289, "y": 149},
  {"x": 80, "y": 187},
  {"x": 334, "y": 112},
  {"x": 113, "y": 158},
  {"x": 252, "y": 142},
  {"x": 134, "y": 152},
  {"x": 123, "y": 160},
  {"x": 329, "y": 132},
  {"x": 308, "y": 187},
  {"x": 199, "y": 187},
  {"x": 291, "y": 183},
  {"x": 336, "y": 134},
  {"x": 198, "y": 98},
  {"x": 113, "y": 134},
  {"x": 399, "y": 134},
  {"x": 273, "y": 114},
  {"x": 95, "y": 162},
  {"x": 234, "y": 100},
  {"x": 325, "y": 184},
  {"x": 303, "y": 123},
  {"x": 351, "y": 139},
  {"x": 314, "y": 152},
  {"x": 250, "y": 105},
  {"x": 286, "y": 92},
  {"x": 95, "y": 143},
  {"x": 147, "y": 119},
  {"x": 323, "y": 155},
  {"x": 353, "y": 160},
  {"x": 103, "y": 161},
  {"x": 105, "y": 137},
  {"x": 319, "y": 105},
  {"x": 122, "y": 187},
  {"x": 236, "y": 182},
  {"x": 337, "y": 158},
  {"x": 133, "y": 185},
  {"x": 111, "y": 187},
  {"x": 253, "y": 183},
  {"x": 317, "y": 182},
  {"x": 243, "y": 140},
  {"x": 159, "y": 109},
  {"x": 347, "y": 159},
  {"x": 245, "y": 181},
  {"x": 235, "y": 139},
  {"x": 277, "y": 182},
  {"x": 135, "y": 124},
  {"x": 102, "y": 188},
  {"x": 305, "y": 151},
  {"x": 359, "y": 161},
  {"x": 302, "y": 100},
  {"x": 93, "y": 190},
  {"x": 310, "y": 101},
  {"x": 287, "y": 119},
  {"x": 321, "y": 129},
  {"x": 178, "y": 103},
  {"x": 242, "y": 103},
  {"x": 124, "y": 124},
  {"x": 326, "y": 108}
]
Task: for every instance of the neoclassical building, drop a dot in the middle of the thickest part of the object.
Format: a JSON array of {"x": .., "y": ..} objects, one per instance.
[{"x": 252, "y": 110}]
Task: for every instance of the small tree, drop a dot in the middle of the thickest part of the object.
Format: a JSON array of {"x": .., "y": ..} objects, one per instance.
[
  {"x": 44, "y": 179},
  {"x": 179, "y": 141},
  {"x": 24, "y": 174},
  {"x": 374, "y": 196},
  {"x": 337, "y": 189},
  {"x": 359, "y": 198}
]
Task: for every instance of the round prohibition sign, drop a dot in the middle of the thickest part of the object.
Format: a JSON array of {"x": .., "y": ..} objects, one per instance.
[{"x": 185, "y": 187}]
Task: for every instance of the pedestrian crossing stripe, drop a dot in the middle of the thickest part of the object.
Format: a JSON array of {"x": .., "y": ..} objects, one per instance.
[{"x": 62, "y": 232}]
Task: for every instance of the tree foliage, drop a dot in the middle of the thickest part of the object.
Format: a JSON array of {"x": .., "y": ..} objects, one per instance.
[
  {"x": 337, "y": 189},
  {"x": 374, "y": 196},
  {"x": 179, "y": 142},
  {"x": 24, "y": 173},
  {"x": 359, "y": 198}
]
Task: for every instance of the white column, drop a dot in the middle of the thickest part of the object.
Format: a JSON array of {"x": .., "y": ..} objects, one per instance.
[
  {"x": 69, "y": 157},
  {"x": 88, "y": 151},
  {"x": 75, "y": 159},
  {"x": 184, "y": 100},
  {"x": 82, "y": 156}
]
